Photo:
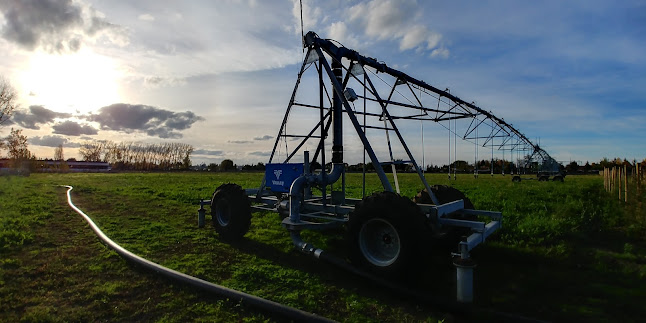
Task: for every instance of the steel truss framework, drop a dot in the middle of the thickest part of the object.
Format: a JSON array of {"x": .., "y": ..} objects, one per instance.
[{"x": 378, "y": 97}]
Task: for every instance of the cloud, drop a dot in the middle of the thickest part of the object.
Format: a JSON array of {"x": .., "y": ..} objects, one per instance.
[
  {"x": 208, "y": 152},
  {"x": 262, "y": 138},
  {"x": 71, "y": 128},
  {"x": 394, "y": 20},
  {"x": 146, "y": 17},
  {"x": 37, "y": 115},
  {"x": 246, "y": 141},
  {"x": 143, "y": 118},
  {"x": 259, "y": 153},
  {"x": 53, "y": 141},
  {"x": 417, "y": 35},
  {"x": 360, "y": 25},
  {"x": 440, "y": 52},
  {"x": 339, "y": 32},
  {"x": 158, "y": 81},
  {"x": 55, "y": 25}
]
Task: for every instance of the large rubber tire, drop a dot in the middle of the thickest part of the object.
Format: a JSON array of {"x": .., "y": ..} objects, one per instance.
[
  {"x": 515, "y": 179},
  {"x": 444, "y": 194},
  {"x": 231, "y": 211},
  {"x": 386, "y": 235},
  {"x": 558, "y": 178}
]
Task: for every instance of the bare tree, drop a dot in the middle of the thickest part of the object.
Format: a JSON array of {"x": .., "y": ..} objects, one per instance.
[
  {"x": 58, "y": 153},
  {"x": 186, "y": 162},
  {"x": 91, "y": 151},
  {"x": 136, "y": 155},
  {"x": 8, "y": 99}
]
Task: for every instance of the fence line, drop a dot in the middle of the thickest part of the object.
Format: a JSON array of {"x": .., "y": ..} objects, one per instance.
[{"x": 615, "y": 180}]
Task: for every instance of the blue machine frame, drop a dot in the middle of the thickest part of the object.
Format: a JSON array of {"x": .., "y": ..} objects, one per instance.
[
  {"x": 287, "y": 185},
  {"x": 287, "y": 188}
]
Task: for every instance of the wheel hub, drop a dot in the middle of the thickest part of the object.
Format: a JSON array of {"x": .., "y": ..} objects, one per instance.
[
  {"x": 379, "y": 242},
  {"x": 222, "y": 215}
]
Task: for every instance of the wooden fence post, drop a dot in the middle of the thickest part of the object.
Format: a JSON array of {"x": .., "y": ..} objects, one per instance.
[
  {"x": 625, "y": 184},
  {"x": 605, "y": 180},
  {"x": 614, "y": 178},
  {"x": 619, "y": 181}
]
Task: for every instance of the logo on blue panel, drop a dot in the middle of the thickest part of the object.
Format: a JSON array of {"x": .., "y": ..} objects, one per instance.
[{"x": 278, "y": 172}]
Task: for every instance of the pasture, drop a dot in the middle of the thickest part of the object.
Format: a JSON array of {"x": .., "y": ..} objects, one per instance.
[{"x": 567, "y": 251}]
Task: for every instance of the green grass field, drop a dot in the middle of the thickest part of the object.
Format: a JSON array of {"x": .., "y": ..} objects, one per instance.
[{"x": 567, "y": 252}]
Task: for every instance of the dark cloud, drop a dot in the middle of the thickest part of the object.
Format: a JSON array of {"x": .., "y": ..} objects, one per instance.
[
  {"x": 164, "y": 133},
  {"x": 208, "y": 152},
  {"x": 260, "y": 138},
  {"x": 259, "y": 153},
  {"x": 55, "y": 25},
  {"x": 142, "y": 118},
  {"x": 265, "y": 137},
  {"x": 71, "y": 128},
  {"x": 37, "y": 115},
  {"x": 53, "y": 141}
]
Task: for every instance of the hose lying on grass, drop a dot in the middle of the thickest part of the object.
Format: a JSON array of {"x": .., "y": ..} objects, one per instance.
[{"x": 261, "y": 303}]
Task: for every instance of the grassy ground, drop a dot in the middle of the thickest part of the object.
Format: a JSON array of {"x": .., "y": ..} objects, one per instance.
[{"x": 568, "y": 251}]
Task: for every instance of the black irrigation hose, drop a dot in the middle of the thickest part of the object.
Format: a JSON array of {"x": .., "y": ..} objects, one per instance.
[{"x": 261, "y": 303}]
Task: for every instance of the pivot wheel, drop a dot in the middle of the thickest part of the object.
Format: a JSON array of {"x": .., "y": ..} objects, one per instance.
[
  {"x": 386, "y": 234},
  {"x": 231, "y": 211},
  {"x": 446, "y": 194}
]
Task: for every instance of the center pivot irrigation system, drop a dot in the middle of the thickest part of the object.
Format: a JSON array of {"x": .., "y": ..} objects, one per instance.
[{"x": 387, "y": 234}]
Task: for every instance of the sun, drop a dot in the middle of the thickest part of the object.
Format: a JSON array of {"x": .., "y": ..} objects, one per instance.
[{"x": 83, "y": 81}]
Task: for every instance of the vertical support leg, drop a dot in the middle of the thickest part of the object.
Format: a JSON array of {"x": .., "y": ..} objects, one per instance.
[
  {"x": 200, "y": 215},
  {"x": 464, "y": 274},
  {"x": 464, "y": 266},
  {"x": 308, "y": 171}
]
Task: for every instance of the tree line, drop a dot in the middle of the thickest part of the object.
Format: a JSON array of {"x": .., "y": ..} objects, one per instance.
[
  {"x": 459, "y": 166},
  {"x": 138, "y": 155}
]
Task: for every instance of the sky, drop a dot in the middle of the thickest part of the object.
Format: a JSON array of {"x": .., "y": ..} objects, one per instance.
[{"x": 219, "y": 74}]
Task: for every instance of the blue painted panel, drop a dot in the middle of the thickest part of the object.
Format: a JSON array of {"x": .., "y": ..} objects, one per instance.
[{"x": 279, "y": 177}]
